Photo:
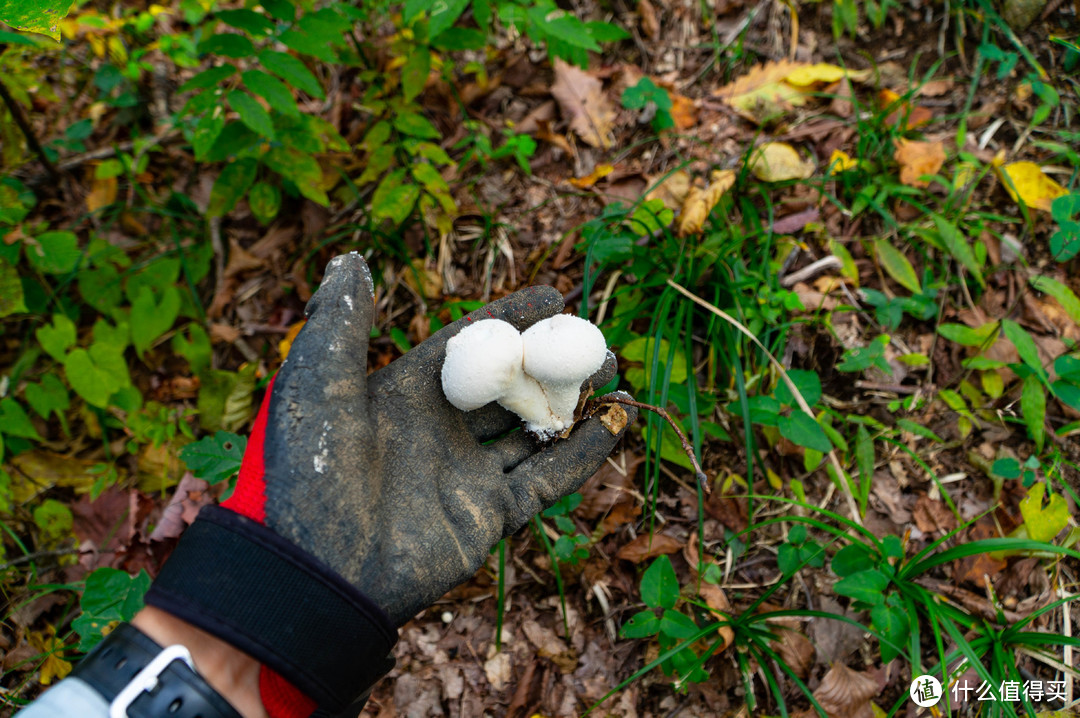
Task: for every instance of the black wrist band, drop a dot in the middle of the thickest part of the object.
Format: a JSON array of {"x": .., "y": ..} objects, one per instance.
[
  {"x": 141, "y": 679},
  {"x": 240, "y": 581}
]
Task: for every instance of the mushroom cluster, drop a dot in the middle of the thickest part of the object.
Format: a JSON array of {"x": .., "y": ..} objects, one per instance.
[{"x": 537, "y": 374}]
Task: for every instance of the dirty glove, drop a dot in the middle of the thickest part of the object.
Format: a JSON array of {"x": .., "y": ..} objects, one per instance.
[{"x": 363, "y": 499}]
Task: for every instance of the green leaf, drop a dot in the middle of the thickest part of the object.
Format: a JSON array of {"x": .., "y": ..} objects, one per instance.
[
  {"x": 248, "y": 20},
  {"x": 229, "y": 45},
  {"x": 414, "y": 73},
  {"x": 1025, "y": 345},
  {"x": 252, "y": 113},
  {"x": 893, "y": 625},
  {"x": 208, "y": 78},
  {"x": 1064, "y": 296},
  {"x": 1044, "y": 522},
  {"x": 415, "y": 7},
  {"x": 92, "y": 382},
  {"x": 293, "y": 71},
  {"x": 807, "y": 382},
  {"x": 641, "y": 625},
  {"x": 150, "y": 317},
  {"x": 563, "y": 26},
  {"x": 918, "y": 430},
  {"x": 852, "y": 559},
  {"x": 395, "y": 197},
  {"x": 110, "y": 596},
  {"x": 12, "y": 300},
  {"x": 606, "y": 31},
  {"x": 1033, "y": 409},
  {"x": 428, "y": 176},
  {"x": 57, "y": 337},
  {"x": 276, "y": 93},
  {"x": 231, "y": 184},
  {"x": 224, "y": 400},
  {"x": 283, "y": 10},
  {"x": 1068, "y": 367},
  {"x": 801, "y": 429},
  {"x": 897, "y": 265},
  {"x": 206, "y": 132},
  {"x": 659, "y": 585},
  {"x": 980, "y": 336},
  {"x": 54, "y": 252},
  {"x": 867, "y": 586},
  {"x": 862, "y": 358},
  {"x": 35, "y": 15},
  {"x": 215, "y": 458},
  {"x": 301, "y": 169},
  {"x": 644, "y": 92},
  {"x": 958, "y": 247},
  {"x": 443, "y": 15},
  {"x": 265, "y": 201},
  {"x": 677, "y": 625},
  {"x": 15, "y": 422},
  {"x": 456, "y": 39},
  {"x": 1007, "y": 468},
  {"x": 196, "y": 350},
  {"x": 48, "y": 396},
  {"x": 415, "y": 125}
]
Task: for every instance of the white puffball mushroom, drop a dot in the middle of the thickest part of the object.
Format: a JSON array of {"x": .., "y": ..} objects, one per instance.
[
  {"x": 483, "y": 361},
  {"x": 529, "y": 400},
  {"x": 561, "y": 352}
]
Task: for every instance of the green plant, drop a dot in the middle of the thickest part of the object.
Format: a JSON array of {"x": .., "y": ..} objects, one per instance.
[
  {"x": 570, "y": 546},
  {"x": 646, "y": 95},
  {"x": 1065, "y": 242}
]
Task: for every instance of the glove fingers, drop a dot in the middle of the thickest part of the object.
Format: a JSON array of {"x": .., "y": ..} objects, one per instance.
[
  {"x": 544, "y": 478},
  {"x": 513, "y": 449},
  {"x": 339, "y": 314}
]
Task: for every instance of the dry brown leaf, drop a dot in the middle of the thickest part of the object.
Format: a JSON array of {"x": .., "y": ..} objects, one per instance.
[
  {"x": 650, "y": 21},
  {"x": 936, "y": 88},
  {"x": 905, "y": 116},
  {"x": 917, "y": 159},
  {"x": 684, "y": 111},
  {"x": 645, "y": 547},
  {"x": 699, "y": 202},
  {"x": 795, "y": 649},
  {"x": 102, "y": 194},
  {"x": 583, "y": 102},
  {"x": 845, "y": 693},
  {"x": 931, "y": 515},
  {"x": 545, "y": 133},
  {"x": 762, "y": 93},
  {"x": 240, "y": 260},
  {"x": 672, "y": 191}
]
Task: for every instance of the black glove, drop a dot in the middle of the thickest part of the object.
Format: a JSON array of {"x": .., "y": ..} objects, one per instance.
[{"x": 378, "y": 478}]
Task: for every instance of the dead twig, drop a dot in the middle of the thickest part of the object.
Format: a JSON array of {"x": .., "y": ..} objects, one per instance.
[
  {"x": 28, "y": 133},
  {"x": 702, "y": 479}
]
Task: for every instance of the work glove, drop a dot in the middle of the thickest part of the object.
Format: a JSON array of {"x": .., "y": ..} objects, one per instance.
[{"x": 363, "y": 499}]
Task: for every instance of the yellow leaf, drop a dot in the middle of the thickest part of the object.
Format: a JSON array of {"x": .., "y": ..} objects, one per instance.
[
  {"x": 593, "y": 177},
  {"x": 54, "y": 666},
  {"x": 1044, "y": 523},
  {"x": 917, "y": 159},
  {"x": 824, "y": 73},
  {"x": 672, "y": 190},
  {"x": 840, "y": 161},
  {"x": 1026, "y": 182},
  {"x": 778, "y": 161},
  {"x": 286, "y": 343},
  {"x": 102, "y": 194}
]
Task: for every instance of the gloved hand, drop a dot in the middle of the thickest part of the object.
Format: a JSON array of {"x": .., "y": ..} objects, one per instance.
[{"x": 378, "y": 477}]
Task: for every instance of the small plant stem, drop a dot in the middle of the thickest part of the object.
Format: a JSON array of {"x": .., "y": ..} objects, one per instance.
[
  {"x": 28, "y": 132},
  {"x": 699, "y": 474},
  {"x": 841, "y": 476},
  {"x": 39, "y": 555}
]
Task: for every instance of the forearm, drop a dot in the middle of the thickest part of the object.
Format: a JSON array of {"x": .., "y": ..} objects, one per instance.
[{"x": 231, "y": 672}]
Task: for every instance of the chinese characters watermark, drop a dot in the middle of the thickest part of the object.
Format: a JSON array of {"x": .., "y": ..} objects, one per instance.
[{"x": 926, "y": 691}]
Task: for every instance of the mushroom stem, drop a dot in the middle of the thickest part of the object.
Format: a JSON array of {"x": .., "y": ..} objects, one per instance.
[{"x": 702, "y": 479}]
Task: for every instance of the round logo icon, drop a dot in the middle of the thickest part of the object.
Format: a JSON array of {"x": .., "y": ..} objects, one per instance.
[{"x": 925, "y": 691}]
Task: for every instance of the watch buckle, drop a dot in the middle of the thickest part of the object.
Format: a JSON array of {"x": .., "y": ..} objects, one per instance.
[{"x": 147, "y": 679}]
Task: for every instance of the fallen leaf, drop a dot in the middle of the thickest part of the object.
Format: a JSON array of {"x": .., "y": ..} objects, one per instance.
[
  {"x": 497, "y": 670},
  {"x": 240, "y": 260},
  {"x": 650, "y": 22},
  {"x": 648, "y": 546},
  {"x": 936, "y": 88},
  {"x": 620, "y": 515},
  {"x": 54, "y": 666},
  {"x": 823, "y": 73},
  {"x": 672, "y": 190},
  {"x": 545, "y": 133},
  {"x": 1026, "y": 182},
  {"x": 774, "y": 87},
  {"x": 840, "y": 161},
  {"x": 904, "y": 115},
  {"x": 102, "y": 194},
  {"x": 779, "y": 161},
  {"x": 845, "y": 693},
  {"x": 684, "y": 111},
  {"x": 581, "y": 96},
  {"x": 917, "y": 159},
  {"x": 931, "y": 515},
  {"x": 290, "y": 336},
  {"x": 699, "y": 202},
  {"x": 795, "y": 649},
  {"x": 593, "y": 177},
  {"x": 190, "y": 496}
]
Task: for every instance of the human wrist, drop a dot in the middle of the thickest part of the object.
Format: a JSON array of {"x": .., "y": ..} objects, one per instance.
[{"x": 231, "y": 672}]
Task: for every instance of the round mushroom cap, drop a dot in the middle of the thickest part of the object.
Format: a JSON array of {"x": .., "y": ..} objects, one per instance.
[
  {"x": 482, "y": 361},
  {"x": 563, "y": 349}
]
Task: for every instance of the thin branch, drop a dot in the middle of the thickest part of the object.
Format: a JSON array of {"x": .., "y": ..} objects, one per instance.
[
  {"x": 28, "y": 132},
  {"x": 38, "y": 555},
  {"x": 699, "y": 474}
]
